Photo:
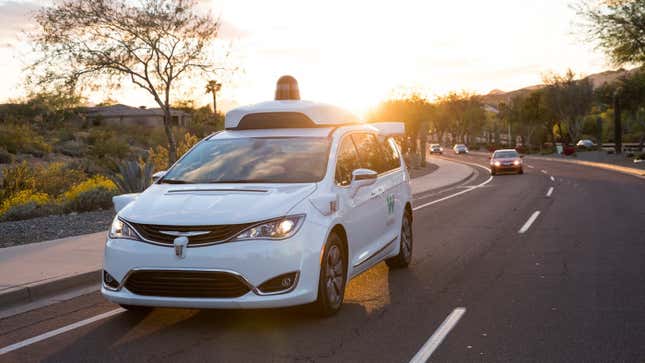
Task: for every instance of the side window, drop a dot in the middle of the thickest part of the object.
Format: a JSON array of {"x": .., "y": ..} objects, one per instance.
[
  {"x": 346, "y": 162},
  {"x": 392, "y": 158},
  {"x": 370, "y": 152}
]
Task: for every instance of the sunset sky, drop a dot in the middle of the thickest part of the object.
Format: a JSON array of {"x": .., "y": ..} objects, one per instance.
[{"x": 357, "y": 53}]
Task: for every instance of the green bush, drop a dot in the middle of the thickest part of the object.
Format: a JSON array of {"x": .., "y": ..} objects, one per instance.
[
  {"x": 5, "y": 157},
  {"x": 21, "y": 138},
  {"x": 16, "y": 178},
  {"x": 56, "y": 178},
  {"x": 93, "y": 193},
  {"x": 27, "y": 204}
]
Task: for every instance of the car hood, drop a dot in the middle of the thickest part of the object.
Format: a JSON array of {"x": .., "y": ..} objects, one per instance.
[{"x": 211, "y": 204}]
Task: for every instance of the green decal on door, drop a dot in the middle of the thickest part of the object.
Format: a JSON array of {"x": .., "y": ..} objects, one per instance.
[{"x": 390, "y": 203}]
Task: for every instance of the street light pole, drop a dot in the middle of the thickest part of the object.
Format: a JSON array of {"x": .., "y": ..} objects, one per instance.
[{"x": 618, "y": 129}]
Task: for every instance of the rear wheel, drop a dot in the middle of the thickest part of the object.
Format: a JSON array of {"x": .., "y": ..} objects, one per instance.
[
  {"x": 405, "y": 249},
  {"x": 333, "y": 276}
]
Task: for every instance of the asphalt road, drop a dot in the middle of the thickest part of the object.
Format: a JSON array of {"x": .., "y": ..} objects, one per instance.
[{"x": 570, "y": 288}]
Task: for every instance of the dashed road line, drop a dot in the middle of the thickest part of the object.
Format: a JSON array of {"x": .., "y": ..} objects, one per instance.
[
  {"x": 458, "y": 193},
  {"x": 548, "y": 193},
  {"x": 59, "y": 331},
  {"x": 543, "y": 171},
  {"x": 439, "y": 335},
  {"x": 552, "y": 178},
  {"x": 529, "y": 222},
  {"x": 530, "y": 166}
]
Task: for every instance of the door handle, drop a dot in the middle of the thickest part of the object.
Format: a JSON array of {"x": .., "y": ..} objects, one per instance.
[{"x": 377, "y": 192}]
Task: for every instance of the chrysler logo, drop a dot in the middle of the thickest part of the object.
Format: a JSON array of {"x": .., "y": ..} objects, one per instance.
[
  {"x": 180, "y": 244},
  {"x": 184, "y": 234}
]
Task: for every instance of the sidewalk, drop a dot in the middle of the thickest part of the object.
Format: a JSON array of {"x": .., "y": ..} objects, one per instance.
[
  {"x": 36, "y": 271},
  {"x": 32, "y": 273}
]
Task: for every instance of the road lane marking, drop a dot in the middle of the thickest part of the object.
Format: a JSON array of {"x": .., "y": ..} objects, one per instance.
[
  {"x": 531, "y": 166},
  {"x": 548, "y": 194},
  {"x": 439, "y": 335},
  {"x": 59, "y": 331},
  {"x": 552, "y": 178},
  {"x": 543, "y": 171},
  {"x": 490, "y": 178},
  {"x": 529, "y": 222}
]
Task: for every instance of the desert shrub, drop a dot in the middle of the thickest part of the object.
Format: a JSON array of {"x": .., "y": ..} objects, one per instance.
[
  {"x": 26, "y": 204},
  {"x": 91, "y": 194},
  {"x": 105, "y": 143},
  {"x": 21, "y": 138},
  {"x": 56, "y": 178},
  {"x": 71, "y": 148},
  {"x": 159, "y": 154},
  {"x": 5, "y": 156},
  {"x": 133, "y": 176},
  {"x": 16, "y": 178}
]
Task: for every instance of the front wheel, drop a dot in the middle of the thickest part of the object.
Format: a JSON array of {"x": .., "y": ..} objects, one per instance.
[
  {"x": 333, "y": 276},
  {"x": 405, "y": 249},
  {"x": 521, "y": 171},
  {"x": 492, "y": 172}
]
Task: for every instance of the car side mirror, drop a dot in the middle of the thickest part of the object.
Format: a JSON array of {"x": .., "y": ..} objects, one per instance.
[
  {"x": 362, "y": 178},
  {"x": 158, "y": 175}
]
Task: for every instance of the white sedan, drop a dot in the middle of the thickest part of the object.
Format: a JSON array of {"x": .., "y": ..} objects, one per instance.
[{"x": 282, "y": 208}]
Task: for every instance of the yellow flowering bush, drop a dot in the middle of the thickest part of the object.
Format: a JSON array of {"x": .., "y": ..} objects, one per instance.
[
  {"x": 26, "y": 204},
  {"x": 93, "y": 193}
]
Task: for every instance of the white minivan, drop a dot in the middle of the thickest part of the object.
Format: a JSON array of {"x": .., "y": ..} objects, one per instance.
[{"x": 282, "y": 208}]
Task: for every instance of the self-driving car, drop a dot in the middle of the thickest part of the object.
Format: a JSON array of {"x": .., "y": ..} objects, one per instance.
[
  {"x": 505, "y": 161},
  {"x": 283, "y": 207}
]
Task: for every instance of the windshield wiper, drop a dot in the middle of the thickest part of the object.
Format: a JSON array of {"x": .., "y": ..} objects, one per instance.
[{"x": 174, "y": 181}]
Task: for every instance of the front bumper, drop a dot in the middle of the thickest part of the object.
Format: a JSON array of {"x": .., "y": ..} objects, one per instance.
[
  {"x": 506, "y": 168},
  {"x": 254, "y": 262}
]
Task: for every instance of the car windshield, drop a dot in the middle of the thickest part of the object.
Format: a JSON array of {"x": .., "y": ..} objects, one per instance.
[
  {"x": 253, "y": 160},
  {"x": 505, "y": 154}
]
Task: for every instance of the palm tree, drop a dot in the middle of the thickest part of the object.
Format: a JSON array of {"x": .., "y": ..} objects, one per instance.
[{"x": 213, "y": 87}]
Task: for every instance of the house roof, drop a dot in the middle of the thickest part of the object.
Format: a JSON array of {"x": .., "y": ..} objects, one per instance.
[{"x": 120, "y": 110}]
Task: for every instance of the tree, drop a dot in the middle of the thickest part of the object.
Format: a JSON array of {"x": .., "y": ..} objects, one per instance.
[
  {"x": 568, "y": 100},
  {"x": 213, "y": 87},
  {"x": 153, "y": 43},
  {"x": 618, "y": 26}
]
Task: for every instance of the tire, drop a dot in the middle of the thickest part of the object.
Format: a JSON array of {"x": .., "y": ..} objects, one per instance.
[
  {"x": 136, "y": 308},
  {"x": 492, "y": 171},
  {"x": 521, "y": 171},
  {"x": 402, "y": 260},
  {"x": 333, "y": 277}
]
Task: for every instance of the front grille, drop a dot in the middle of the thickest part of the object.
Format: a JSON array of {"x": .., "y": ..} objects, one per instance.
[
  {"x": 195, "y": 284},
  {"x": 217, "y": 233}
]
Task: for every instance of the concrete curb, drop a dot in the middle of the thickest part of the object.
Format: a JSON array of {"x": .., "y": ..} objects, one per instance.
[
  {"x": 620, "y": 169},
  {"x": 447, "y": 186},
  {"x": 31, "y": 293}
]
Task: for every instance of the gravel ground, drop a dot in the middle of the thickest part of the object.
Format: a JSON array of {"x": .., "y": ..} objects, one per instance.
[{"x": 53, "y": 227}]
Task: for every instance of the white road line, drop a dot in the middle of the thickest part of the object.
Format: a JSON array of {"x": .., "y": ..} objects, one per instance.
[
  {"x": 439, "y": 335},
  {"x": 59, "y": 331},
  {"x": 548, "y": 194},
  {"x": 456, "y": 194},
  {"x": 530, "y": 166},
  {"x": 552, "y": 178},
  {"x": 530, "y": 221},
  {"x": 543, "y": 171}
]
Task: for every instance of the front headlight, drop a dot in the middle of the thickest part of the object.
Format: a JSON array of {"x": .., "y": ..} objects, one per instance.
[
  {"x": 497, "y": 163},
  {"x": 280, "y": 228},
  {"x": 516, "y": 162},
  {"x": 120, "y": 229}
]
